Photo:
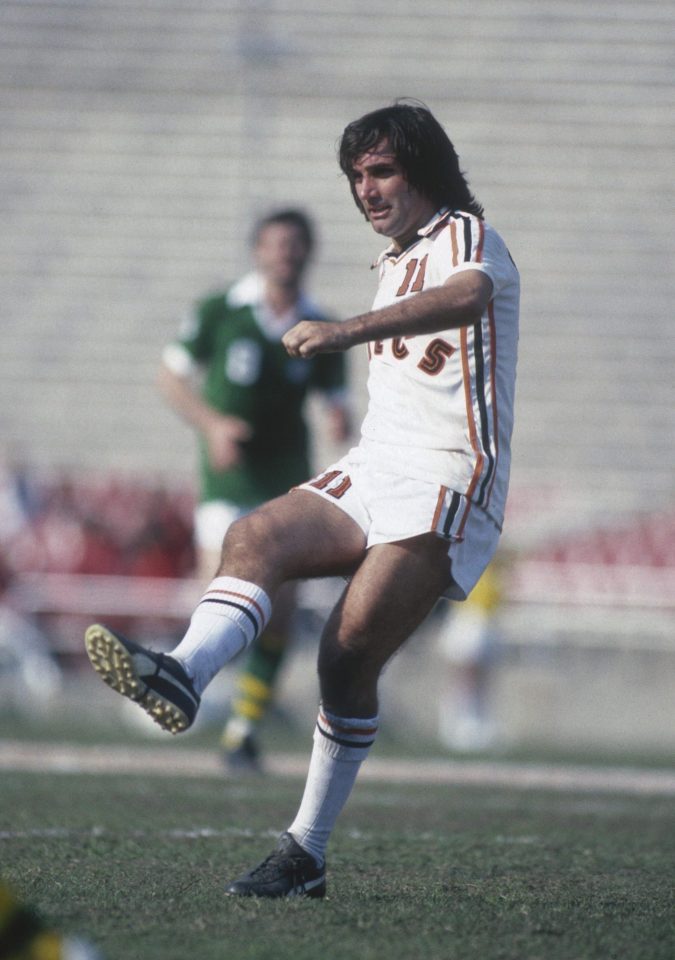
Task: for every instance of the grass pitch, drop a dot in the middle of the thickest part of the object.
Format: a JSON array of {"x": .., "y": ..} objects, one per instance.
[{"x": 138, "y": 864}]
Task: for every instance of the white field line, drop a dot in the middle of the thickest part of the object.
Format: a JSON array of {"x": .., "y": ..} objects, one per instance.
[
  {"x": 172, "y": 761},
  {"x": 198, "y": 833}
]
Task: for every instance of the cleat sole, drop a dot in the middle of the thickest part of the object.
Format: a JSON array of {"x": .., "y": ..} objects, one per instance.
[{"x": 115, "y": 665}]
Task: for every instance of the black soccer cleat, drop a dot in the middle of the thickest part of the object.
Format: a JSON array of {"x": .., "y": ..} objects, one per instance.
[
  {"x": 288, "y": 872},
  {"x": 155, "y": 681}
]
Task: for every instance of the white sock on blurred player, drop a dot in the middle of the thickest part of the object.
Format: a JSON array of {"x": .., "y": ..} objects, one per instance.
[{"x": 229, "y": 617}]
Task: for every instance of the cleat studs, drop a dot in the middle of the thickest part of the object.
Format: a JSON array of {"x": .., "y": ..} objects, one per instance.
[{"x": 117, "y": 666}]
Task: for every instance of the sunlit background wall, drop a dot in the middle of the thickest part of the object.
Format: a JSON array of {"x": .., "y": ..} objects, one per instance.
[{"x": 138, "y": 140}]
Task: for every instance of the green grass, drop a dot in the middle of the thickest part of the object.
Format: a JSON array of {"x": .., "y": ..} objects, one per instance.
[{"x": 139, "y": 866}]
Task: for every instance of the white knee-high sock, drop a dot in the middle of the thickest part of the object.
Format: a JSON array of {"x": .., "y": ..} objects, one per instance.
[
  {"x": 340, "y": 746},
  {"x": 230, "y": 615}
]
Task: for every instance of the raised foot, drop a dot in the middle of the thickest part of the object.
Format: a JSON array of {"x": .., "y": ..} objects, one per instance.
[{"x": 155, "y": 681}]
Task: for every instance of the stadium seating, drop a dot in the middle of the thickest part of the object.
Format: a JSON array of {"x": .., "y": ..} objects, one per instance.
[{"x": 138, "y": 144}]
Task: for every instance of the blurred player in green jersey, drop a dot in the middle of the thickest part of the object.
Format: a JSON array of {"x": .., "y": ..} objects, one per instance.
[{"x": 229, "y": 376}]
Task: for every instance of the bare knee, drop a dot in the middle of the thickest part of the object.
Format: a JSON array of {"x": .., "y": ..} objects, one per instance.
[
  {"x": 252, "y": 550},
  {"x": 291, "y": 538},
  {"x": 244, "y": 537}
]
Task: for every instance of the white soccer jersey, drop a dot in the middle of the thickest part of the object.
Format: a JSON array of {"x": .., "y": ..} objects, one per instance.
[{"x": 441, "y": 405}]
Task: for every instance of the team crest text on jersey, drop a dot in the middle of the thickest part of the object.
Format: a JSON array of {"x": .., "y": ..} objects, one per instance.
[{"x": 441, "y": 405}]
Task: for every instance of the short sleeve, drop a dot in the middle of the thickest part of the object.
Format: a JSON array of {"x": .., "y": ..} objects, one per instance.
[
  {"x": 198, "y": 327},
  {"x": 468, "y": 243}
]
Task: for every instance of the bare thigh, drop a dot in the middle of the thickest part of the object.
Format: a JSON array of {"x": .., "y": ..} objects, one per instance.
[
  {"x": 391, "y": 593},
  {"x": 295, "y": 537},
  {"x": 207, "y": 564}
]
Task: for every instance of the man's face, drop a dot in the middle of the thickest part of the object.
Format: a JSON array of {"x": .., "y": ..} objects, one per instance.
[
  {"x": 394, "y": 208},
  {"x": 281, "y": 253}
]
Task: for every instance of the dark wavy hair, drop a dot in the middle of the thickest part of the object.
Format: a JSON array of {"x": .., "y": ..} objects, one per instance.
[
  {"x": 422, "y": 147},
  {"x": 288, "y": 217}
]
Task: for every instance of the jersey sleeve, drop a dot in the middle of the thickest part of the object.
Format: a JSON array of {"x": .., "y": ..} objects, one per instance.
[
  {"x": 195, "y": 340},
  {"x": 468, "y": 243}
]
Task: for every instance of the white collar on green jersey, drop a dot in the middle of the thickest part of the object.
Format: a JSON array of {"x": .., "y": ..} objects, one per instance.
[{"x": 250, "y": 292}]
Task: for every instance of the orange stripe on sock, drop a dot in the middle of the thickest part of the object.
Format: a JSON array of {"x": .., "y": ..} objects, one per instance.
[
  {"x": 240, "y": 596},
  {"x": 359, "y": 732}
]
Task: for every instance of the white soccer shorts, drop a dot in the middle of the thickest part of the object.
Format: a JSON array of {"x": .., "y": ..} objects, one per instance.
[
  {"x": 390, "y": 507},
  {"x": 212, "y": 520}
]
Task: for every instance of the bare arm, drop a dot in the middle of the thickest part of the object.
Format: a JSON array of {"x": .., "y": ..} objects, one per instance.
[
  {"x": 460, "y": 302},
  {"x": 223, "y": 433}
]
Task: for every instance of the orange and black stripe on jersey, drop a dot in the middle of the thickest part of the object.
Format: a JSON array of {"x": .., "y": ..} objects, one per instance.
[
  {"x": 452, "y": 524},
  {"x": 484, "y": 433},
  {"x": 455, "y": 501}
]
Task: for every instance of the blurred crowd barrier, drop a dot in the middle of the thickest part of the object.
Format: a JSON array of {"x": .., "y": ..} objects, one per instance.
[
  {"x": 77, "y": 548},
  {"x": 58, "y": 523},
  {"x": 587, "y": 620}
]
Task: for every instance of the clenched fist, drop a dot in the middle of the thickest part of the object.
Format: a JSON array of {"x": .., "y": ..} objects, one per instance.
[{"x": 310, "y": 337}]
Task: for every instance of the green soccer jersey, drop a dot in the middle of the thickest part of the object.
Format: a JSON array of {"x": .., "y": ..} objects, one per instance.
[{"x": 247, "y": 373}]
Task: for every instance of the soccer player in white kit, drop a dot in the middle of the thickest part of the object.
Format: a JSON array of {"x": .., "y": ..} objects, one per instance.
[{"x": 412, "y": 513}]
